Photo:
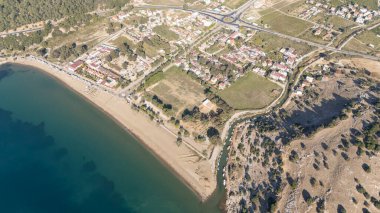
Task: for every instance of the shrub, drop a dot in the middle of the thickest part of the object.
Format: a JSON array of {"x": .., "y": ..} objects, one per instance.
[{"x": 366, "y": 168}]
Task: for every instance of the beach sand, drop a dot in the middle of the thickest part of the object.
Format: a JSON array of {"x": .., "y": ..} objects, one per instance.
[{"x": 195, "y": 172}]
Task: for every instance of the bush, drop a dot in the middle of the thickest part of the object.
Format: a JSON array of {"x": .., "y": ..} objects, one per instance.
[
  {"x": 293, "y": 157},
  {"x": 313, "y": 181},
  {"x": 366, "y": 168},
  {"x": 213, "y": 135}
]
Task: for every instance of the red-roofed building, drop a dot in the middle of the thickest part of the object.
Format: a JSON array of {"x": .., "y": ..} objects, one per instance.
[
  {"x": 278, "y": 76},
  {"x": 74, "y": 66}
]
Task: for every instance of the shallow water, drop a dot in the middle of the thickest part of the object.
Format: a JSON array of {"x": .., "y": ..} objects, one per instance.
[{"x": 58, "y": 153}]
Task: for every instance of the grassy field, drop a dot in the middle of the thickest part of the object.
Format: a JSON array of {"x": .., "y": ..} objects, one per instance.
[
  {"x": 251, "y": 92},
  {"x": 153, "y": 79},
  {"x": 233, "y": 4},
  {"x": 214, "y": 48},
  {"x": 121, "y": 40},
  {"x": 370, "y": 37},
  {"x": 270, "y": 43},
  {"x": 358, "y": 46},
  {"x": 175, "y": 87},
  {"x": 337, "y": 21},
  {"x": 308, "y": 35},
  {"x": 288, "y": 8},
  {"x": 165, "y": 32},
  {"x": 165, "y": 2},
  {"x": 284, "y": 24},
  {"x": 91, "y": 32},
  {"x": 150, "y": 50}
]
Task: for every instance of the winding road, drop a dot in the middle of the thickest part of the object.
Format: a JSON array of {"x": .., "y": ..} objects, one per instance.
[{"x": 233, "y": 20}]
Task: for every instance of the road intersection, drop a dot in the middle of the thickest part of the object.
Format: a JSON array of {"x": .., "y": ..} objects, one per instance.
[{"x": 233, "y": 20}]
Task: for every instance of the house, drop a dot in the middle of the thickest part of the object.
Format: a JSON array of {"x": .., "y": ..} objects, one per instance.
[
  {"x": 214, "y": 80},
  {"x": 309, "y": 79},
  {"x": 74, "y": 66},
  {"x": 298, "y": 92},
  {"x": 222, "y": 85},
  {"x": 280, "y": 67},
  {"x": 278, "y": 76}
]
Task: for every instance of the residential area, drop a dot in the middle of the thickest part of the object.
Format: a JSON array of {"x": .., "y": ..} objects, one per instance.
[{"x": 274, "y": 99}]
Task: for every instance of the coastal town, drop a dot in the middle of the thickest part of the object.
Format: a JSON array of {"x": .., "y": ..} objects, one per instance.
[{"x": 246, "y": 79}]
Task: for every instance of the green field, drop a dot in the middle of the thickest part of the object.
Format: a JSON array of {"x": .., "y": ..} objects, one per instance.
[
  {"x": 270, "y": 43},
  {"x": 284, "y": 24},
  {"x": 165, "y": 2},
  {"x": 357, "y": 46},
  {"x": 370, "y": 37},
  {"x": 251, "y": 92},
  {"x": 164, "y": 31},
  {"x": 150, "y": 51},
  {"x": 288, "y": 8},
  {"x": 309, "y": 36},
  {"x": 336, "y": 21},
  {"x": 122, "y": 40},
  {"x": 233, "y": 4},
  {"x": 214, "y": 48},
  {"x": 177, "y": 88}
]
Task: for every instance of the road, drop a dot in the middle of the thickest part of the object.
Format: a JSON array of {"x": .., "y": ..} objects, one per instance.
[
  {"x": 233, "y": 20},
  {"x": 356, "y": 33},
  {"x": 21, "y": 31},
  {"x": 129, "y": 89},
  {"x": 240, "y": 114}
]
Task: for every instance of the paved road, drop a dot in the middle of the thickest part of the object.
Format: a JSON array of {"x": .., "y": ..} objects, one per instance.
[
  {"x": 356, "y": 33},
  {"x": 129, "y": 89},
  {"x": 233, "y": 20}
]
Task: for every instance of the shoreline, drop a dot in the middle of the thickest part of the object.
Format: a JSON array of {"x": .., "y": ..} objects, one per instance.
[{"x": 158, "y": 142}]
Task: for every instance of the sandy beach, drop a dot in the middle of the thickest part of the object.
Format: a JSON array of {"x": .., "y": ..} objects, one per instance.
[{"x": 196, "y": 173}]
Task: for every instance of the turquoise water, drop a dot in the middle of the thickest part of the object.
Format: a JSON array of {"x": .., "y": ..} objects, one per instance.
[{"x": 58, "y": 153}]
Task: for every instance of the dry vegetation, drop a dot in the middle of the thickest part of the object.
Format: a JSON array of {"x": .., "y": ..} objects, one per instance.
[
  {"x": 251, "y": 92},
  {"x": 320, "y": 153},
  {"x": 178, "y": 89}
]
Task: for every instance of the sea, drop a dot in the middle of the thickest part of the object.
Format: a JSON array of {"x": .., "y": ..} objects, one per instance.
[{"x": 59, "y": 153}]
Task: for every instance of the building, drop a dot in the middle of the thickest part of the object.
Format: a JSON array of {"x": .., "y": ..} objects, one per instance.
[{"x": 74, "y": 66}]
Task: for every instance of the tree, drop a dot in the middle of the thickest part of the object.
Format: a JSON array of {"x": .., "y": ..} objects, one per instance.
[
  {"x": 366, "y": 168},
  {"x": 83, "y": 48},
  {"x": 125, "y": 64},
  {"x": 313, "y": 181},
  {"x": 341, "y": 209},
  {"x": 213, "y": 135},
  {"x": 42, "y": 51},
  {"x": 108, "y": 58}
]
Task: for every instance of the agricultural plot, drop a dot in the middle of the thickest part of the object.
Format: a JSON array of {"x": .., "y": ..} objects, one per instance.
[
  {"x": 371, "y": 38},
  {"x": 233, "y": 4},
  {"x": 215, "y": 48},
  {"x": 357, "y": 46},
  {"x": 120, "y": 41},
  {"x": 285, "y": 24},
  {"x": 272, "y": 44},
  {"x": 251, "y": 92},
  {"x": 308, "y": 35},
  {"x": 337, "y": 22},
  {"x": 177, "y": 88},
  {"x": 166, "y": 32},
  {"x": 165, "y": 2}
]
